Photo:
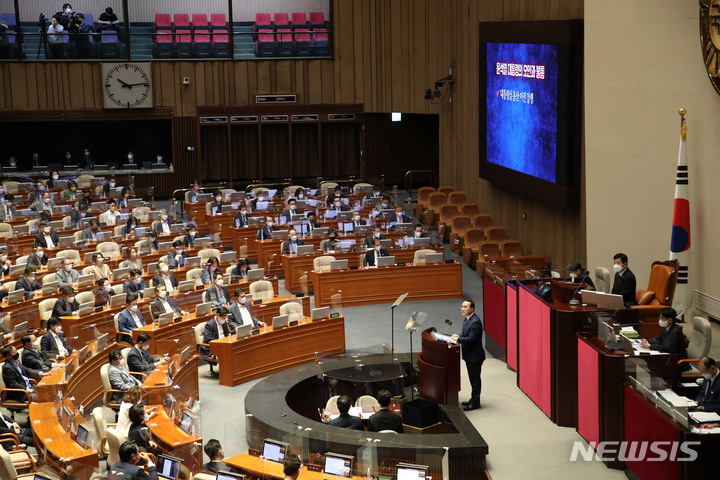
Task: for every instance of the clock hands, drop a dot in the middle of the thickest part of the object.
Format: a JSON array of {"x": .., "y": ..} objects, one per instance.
[{"x": 130, "y": 85}]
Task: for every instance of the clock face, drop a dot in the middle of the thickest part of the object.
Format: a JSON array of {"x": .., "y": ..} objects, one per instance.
[
  {"x": 127, "y": 85},
  {"x": 710, "y": 39}
]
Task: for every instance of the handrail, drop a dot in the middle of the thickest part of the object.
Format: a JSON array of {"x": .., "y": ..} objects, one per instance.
[
  {"x": 181, "y": 200},
  {"x": 410, "y": 173}
]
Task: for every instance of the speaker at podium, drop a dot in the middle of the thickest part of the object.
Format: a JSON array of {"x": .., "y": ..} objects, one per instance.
[{"x": 438, "y": 368}]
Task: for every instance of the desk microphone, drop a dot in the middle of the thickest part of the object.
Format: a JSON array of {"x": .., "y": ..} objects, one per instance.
[
  {"x": 574, "y": 301},
  {"x": 448, "y": 323}
]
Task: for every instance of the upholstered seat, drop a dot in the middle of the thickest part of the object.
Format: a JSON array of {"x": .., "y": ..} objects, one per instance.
[{"x": 658, "y": 295}]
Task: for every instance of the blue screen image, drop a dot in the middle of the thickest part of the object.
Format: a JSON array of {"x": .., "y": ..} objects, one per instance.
[{"x": 521, "y": 99}]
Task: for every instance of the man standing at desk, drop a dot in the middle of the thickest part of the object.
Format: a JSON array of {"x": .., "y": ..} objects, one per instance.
[
  {"x": 624, "y": 283},
  {"x": 708, "y": 399},
  {"x": 471, "y": 339}
]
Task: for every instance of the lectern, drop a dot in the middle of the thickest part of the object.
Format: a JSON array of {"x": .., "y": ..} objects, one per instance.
[{"x": 438, "y": 370}]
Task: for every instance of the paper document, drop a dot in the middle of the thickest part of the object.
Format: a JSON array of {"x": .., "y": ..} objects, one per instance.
[
  {"x": 705, "y": 417},
  {"x": 676, "y": 400}
]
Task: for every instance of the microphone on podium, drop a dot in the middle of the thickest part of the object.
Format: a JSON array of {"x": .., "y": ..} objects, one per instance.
[{"x": 448, "y": 324}]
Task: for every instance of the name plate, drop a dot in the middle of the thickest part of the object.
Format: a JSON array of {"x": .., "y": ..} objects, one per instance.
[{"x": 275, "y": 98}]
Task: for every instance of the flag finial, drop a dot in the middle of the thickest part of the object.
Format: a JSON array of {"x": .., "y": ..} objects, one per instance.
[{"x": 683, "y": 127}]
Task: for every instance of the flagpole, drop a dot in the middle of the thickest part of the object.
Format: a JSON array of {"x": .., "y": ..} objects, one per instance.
[{"x": 680, "y": 241}]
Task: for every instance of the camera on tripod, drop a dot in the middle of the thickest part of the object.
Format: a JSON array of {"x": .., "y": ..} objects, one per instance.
[
  {"x": 42, "y": 20},
  {"x": 74, "y": 22}
]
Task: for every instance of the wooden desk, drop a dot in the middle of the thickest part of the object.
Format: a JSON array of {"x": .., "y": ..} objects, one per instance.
[
  {"x": 174, "y": 441},
  {"x": 294, "y": 266},
  {"x": 276, "y": 350},
  {"x": 257, "y": 467},
  {"x": 157, "y": 385},
  {"x": 367, "y": 286}
]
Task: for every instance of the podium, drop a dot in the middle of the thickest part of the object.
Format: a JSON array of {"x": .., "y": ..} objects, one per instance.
[{"x": 438, "y": 370}]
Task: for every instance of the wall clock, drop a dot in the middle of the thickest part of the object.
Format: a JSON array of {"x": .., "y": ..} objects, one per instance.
[
  {"x": 127, "y": 85},
  {"x": 710, "y": 39}
]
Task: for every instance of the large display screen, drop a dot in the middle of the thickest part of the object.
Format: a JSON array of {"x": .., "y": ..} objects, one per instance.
[{"x": 522, "y": 100}]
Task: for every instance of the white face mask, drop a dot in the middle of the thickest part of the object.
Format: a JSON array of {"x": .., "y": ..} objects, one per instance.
[
  {"x": 67, "y": 267},
  {"x": 130, "y": 157},
  {"x": 337, "y": 204},
  {"x": 133, "y": 308},
  {"x": 55, "y": 177},
  {"x": 293, "y": 238},
  {"x": 241, "y": 300},
  {"x": 164, "y": 268},
  {"x": 3, "y": 258},
  {"x": 164, "y": 217},
  {"x": 617, "y": 268},
  {"x": 87, "y": 154},
  {"x": 418, "y": 234},
  {"x": 707, "y": 376},
  {"x": 218, "y": 199},
  {"x": 112, "y": 184},
  {"x": 292, "y": 207},
  {"x": 146, "y": 347},
  {"x": 269, "y": 224},
  {"x": 159, "y": 158},
  {"x": 220, "y": 282},
  {"x": 40, "y": 254},
  {"x": 221, "y": 321},
  {"x": 108, "y": 288},
  {"x": 377, "y": 249},
  {"x": 357, "y": 218},
  {"x": 162, "y": 294},
  {"x": 58, "y": 329},
  {"x": 46, "y": 200},
  {"x": 243, "y": 212},
  {"x": 301, "y": 196},
  {"x": 70, "y": 299},
  {"x": 377, "y": 235},
  {"x": 192, "y": 234},
  {"x": 663, "y": 323},
  {"x": 137, "y": 281}
]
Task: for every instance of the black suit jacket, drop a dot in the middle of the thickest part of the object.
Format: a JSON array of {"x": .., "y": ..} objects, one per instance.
[
  {"x": 33, "y": 360},
  {"x": 136, "y": 364},
  {"x": 240, "y": 221},
  {"x": 670, "y": 340},
  {"x": 215, "y": 466},
  {"x": 24, "y": 285},
  {"x": 345, "y": 420},
  {"x": 157, "y": 308},
  {"x": 158, "y": 280},
  {"x": 13, "y": 379},
  {"x": 61, "y": 308},
  {"x": 212, "y": 295},
  {"x": 49, "y": 348},
  {"x": 471, "y": 340},
  {"x": 237, "y": 316},
  {"x": 123, "y": 471},
  {"x": 211, "y": 332},
  {"x": 40, "y": 239},
  {"x": 370, "y": 256},
  {"x": 709, "y": 396},
  {"x": 285, "y": 246},
  {"x": 626, "y": 286},
  {"x": 385, "y": 419}
]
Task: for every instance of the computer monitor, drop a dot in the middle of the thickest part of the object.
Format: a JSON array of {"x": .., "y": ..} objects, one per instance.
[
  {"x": 117, "y": 300},
  {"x": 86, "y": 308},
  {"x": 421, "y": 242},
  {"x": 339, "y": 465},
  {"x": 186, "y": 286},
  {"x": 228, "y": 257},
  {"x": 280, "y": 321},
  {"x": 305, "y": 249},
  {"x": 102, "y": 341},
  {"x": 86, "y": 280},
  {"x": 255, "y": 274},
  {"x": 203, "y": 309},
  {"x": 21, "y": 327},
  {"x": 274, "y": 451},
  {"x": 17, "y": 269},
  {"x": 50, "y": 288},
  {"x": 280, "y": 234},
  {"x": 229, "y": 476},
  {"x": 411, "y": 472},
  {"x": 186, "y": 422},
  {"x": 165, "y": 319},
  {"x": 70, "y": 368},
  {"x": 318, "y": 313},
  {"x": 15, "y": 296},
  {"x": 82, "y": 355},
  {"x": 81, "y": 437},
  {"x": 434, "y": 257},
  {"x": 168, "y": 468},
  {"x": 388, "y": 261},
  {"x": 193, "y": 262},
  {"x": 341, "y": 264},
  {"x": 169, "y": 405},
  {"x": 120, "y": 273},
  {"x": 38, "y": 475},
  {"x": 55, "y": 263},
  {"x": 184, "y": 355}
]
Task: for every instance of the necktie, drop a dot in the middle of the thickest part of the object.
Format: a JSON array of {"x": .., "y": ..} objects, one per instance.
[{"x": 7, "y": 213}]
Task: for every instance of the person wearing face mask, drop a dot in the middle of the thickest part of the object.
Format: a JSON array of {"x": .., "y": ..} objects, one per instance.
[
  {"x": 99, "y": 268},
  {"x": 240, "y": 311},
  {"x": 708, "y": 400},
  {"x": 670, "y": 339},
  {"x": 384, "y": 204},
  {"x": 189, "y": 239},
  {"x": 131, "y": 159},
  {"x": 400, "y": 216},
  {"x": 125, "y": 194},
  {"x": 16, "y": 376},
  {"x": 5, "y": 263},
  {"x": 242, "y": 217},
  {"x": 103, "y": 292},
  {"x": 216, "y": 204},
  {"x": 132, "y": 260},
  {"x": 624, "y": 283},
  {"x": 120, "y": 378},
  {"x": 43, "y": 204},
  {"x": 290, "y": 245},
  {"x": 312, "y": 224},
  {"x": 70, "y": 193},
  {"x": 63, "y": 16},
  {"x": 130, "y": 318},
  {"x": 177, "y": 258},
  {"x": 357, "y": 220},
  {"x": 163, "y": 225},
  {"x": 337, "y": 206},
  {"x": 194, "y": 192},
  {"x": 37, "y": 258},
  {"x": 8, "y": 210},
  {"x": 46, "y": 238},
  {"x": 53, "y": 344},
  {"x": 159, "y": 159},
  {"x": 69, "y": 160},
  {"x": 86, "y": 199},
  {"x": 217, "y": 294},
  {"x": 139, "y": 431},
  {"x": 151, "y": 244},
  {"x": 110, "y": 184},
  {"x": 10, "y": 162},
  {"x": 77, "y": 217},
  {"x": 87, "y": 160},
  {"x": 37, "y": 192},
  {"x": 376, "y": 193},
  {"x": 31, "y": 357},
  {"x": 215, "y": 328},
  {"x": 579, "y": 275},
  {"x": 66, "y": 305},
  {"x": 111, "y": 215},
  {"x": 133, "y": 396},
  {"x": 54, "y": 176},
  {"x": 135, "y": 284},
  {"x": 139, "y": 360},
  {"x": 336, "y": 194},
  {"x": 92, "y": 232},
  {"x": 129, "y": 229},
  {"x": 290, "y": 210},
  {"x": 265, "y": 233},
  {"x": 28, "y": 282},
  {"x": 300, "y": 195},
  {"x": 165, "y": 277},
  {"x": 209, "y": 272},
  {"x": 259, "y": 198},
  {"x": 240, "y": 272},
  {"x": 328, "y": 245},
  {"x": 372, "y": 254},
  {"x": 164, "y": 304},
  {"x": 377, "y": 233},
  {"x": 66, "y": 276}
]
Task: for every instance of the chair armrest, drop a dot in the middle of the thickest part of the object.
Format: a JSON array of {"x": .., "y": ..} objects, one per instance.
[
  {"x": 5, "y": 391},
  {"x": 142, "y": 374},
  {"x": 108, "y": 396},
  {"x": 9, "y": 437},
  {"x": 648, "y": 310},
  {"x": 103, "y": 446}
]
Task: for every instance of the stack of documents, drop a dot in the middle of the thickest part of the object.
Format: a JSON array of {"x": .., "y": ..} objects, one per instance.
[
  {"x": 676, "y": 400},
  {"x": 705, "y": 417},
  {"x": 629, "y": 332}
]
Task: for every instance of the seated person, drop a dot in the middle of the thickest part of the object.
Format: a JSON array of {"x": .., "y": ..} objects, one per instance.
[
  {"x": 28, "y": 282},
  {"x": 708, "y": 399},
  {"x": 291, "y": 467},
  {"x": 357, "y": 220},
  {"x": 125, "y": 194},
  {"x": 135, "y": 284},
  {"x": 345, "y": 420},
  {"x": 130, "y": 318},
  {"x": 164, "y": 304},
  {"x": 624, "y": 282},
  {"x": 240, "y": 312},
  {"x": 399, "y": 216},
  {"x": 671, "y": 338},
  {"x": 132, "y": 260},
  {"x": 385, "y": 419},
  {"x": 139, "y": 360},
  {"x": 259, "y": 198},
  {"x": 312, "y": 224},
  {"x": 580, "y": 275},
  {"x": 24, "y": 435},
  {"x": 32, "y": 358},
  {"x": 37, "y": 258},
  {"x": 165, "y": 277},
  {"x": 195, "y": 192},
  {"x": 152, "y": 242},
  {"x": 338, "y": 206},
  {"x": 69, "y": 194},
  {"x": 328, "y": 245},
  {"x": 103, "y": 292},
  {"x": 291, "y": 210},
  {"x": 189, "y": 239},
  {"x": 111, "y": 215},
  {"x": 77, "y": 216},
  {"x": 376, "y": 193},
  {"x": 242, "y": 218},
  {"x": 139, "y": 431},
  {"x": 46, "y": 238},
  {"x": 4, "y": 328},
  {"x": 214, "y": 452},
  {"x": 99, "y": 269},
  {"x": 377, "y": 233},
  {"x": 44, "y": 204},
  {"x": 418, "y": 231},
  {"x": 265, "y": 233},
  {"x": 66, "y": 276},
  {"x": 133, "y": 396},
  {"x": 112, "y": 183},
  {"x": 129, "y": 229},
  {"x": 372, "y": 254},
  {"x": 15, "y": 375},
  {"x": 217, "y": 294},
  {"x": 163, "y": 225},
  {"x": 216, "y": 204},
  {"x": 53, "y": 344},
  {"x": 209, "y": 272},
  {"x": 132, "y": 464},
  {"x": 120, "y": 378},
  {"x": 8, "y": 211},
  {"x": 384, "y": 204},
  {"x": 66, "y": 305},
  {"x": 240, "y": 272},
  {"x": 336, "y": 194},
  {"x": 300, "y": 194},
  {"x": 176, "y": 258},
  {"x": 290, "y": 245},
  {"x": 5, "y": 263},
  {"x": 85, "y": 200},
  {"x": 215, "y": 328}
]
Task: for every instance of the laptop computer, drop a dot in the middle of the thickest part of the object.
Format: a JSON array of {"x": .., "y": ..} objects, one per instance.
[
  {"x": 85, "y": 280},
  {"x": 186, "y": 286},
  {"x": 255, "y": 274},
  {"x": 168, "y": 468},
  {"x": 118, "y": 300},
  {"x": 203, "y": 309},
  {"x": 388, "y": 261},
  {"x": 50, "y": 288},
  {"x": 280, "y": 321}
]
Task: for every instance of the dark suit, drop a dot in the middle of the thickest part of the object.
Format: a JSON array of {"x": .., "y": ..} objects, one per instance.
[
  {"x": 403, "y": 218},
  {"x": 158, "y": 226},
  {"x": 473, "y": 353},
  {"x": 709, "y": 396},
  {"x": 584, "y": 277},
  {"x": 173, "y": 262},
  {"x": 265, "y": 233},
  {"x": 626, "y": 286},
  {"x": 3, "y": 213},
  {"x": 331, "y": 198},
  {"x": 35, "y": 262},
  {"x": 130, "y": 287},
  {"x": 14, "y": 379},
  {"x": 187, "y": 240},
  {"x": 236, "y": 316},
  {"x": 158, "y": 280},
  {"x": 34, "y": 361},
  {"x": 157, "y": 308},
  {"x": 40, "y": 239},
  {"x": 670, "y": 340},
  {"x": 242, "y": 220},
  {"x": 345, "y": 420},
  {"x": 238, "y": 274},
  {"x": 212, "y": 333},
  {"x": 25, "y": 285},
  {"x": 215, "y": 466},
  {"x": 385, "y": 419},
  {"x": 212, "y": 295},
  {"x": 123, "y": 470},
  {"x": 140, "y": 361},
  {"x": 126, "y": 323},
  {"x": 49, "y": 347},
  {"x": 207, "y": 276},
  {"x": 88, "y": 235},
  {"x": 287, "y": 213},
  {"x": 25, "y": 436},
  {"x": 215, "y": 207},
  {"x": 75, "y": 217},
  {"x": 285, "y": 247},
  {"x": 370, "y": 256},
  {"x": 102, "y": 297},
  {"x": 63, "y": 309},
  {"x": 370, "y": 240}
]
